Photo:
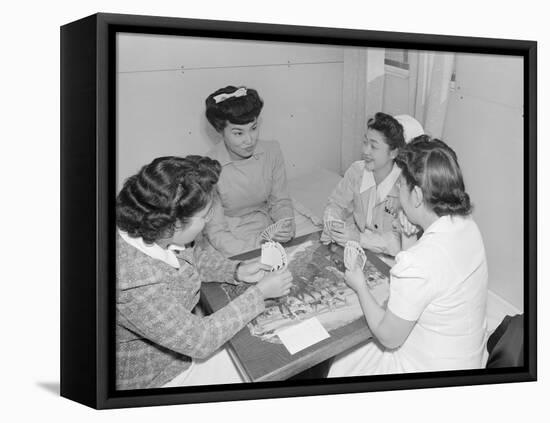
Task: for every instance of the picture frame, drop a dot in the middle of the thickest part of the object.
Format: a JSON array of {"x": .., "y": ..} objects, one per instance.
[{"x": 88, "y": 192}]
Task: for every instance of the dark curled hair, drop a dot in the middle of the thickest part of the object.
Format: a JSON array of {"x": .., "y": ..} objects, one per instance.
[
  {"x": 164, "y": 192},
  {"x": 432, "y": 165},
  {"x": 236, "y": 110},
  {"x": 389, "y": 127}
]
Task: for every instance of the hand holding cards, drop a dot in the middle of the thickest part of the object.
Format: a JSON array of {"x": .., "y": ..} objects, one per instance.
[
  {"x": 354, "y": 256},
  {"x": 279, "y": 281},
  {"x": 332, "y": 225},
  {"x": 278, "y": 231},
  {"x": 335, "y": 225},
  {"x": 274, "y": 255}
]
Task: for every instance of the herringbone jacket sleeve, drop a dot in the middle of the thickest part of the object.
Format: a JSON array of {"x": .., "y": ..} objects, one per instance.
[
  {"x": 153, "y": 312},
  {"x": 211, "y": 264}
]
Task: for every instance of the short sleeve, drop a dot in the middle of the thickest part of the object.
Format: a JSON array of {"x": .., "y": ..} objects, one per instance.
[{"x": 411, "y": 287}]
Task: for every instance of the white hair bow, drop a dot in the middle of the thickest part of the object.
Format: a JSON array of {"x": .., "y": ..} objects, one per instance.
[{"x": 238, "y": 93}]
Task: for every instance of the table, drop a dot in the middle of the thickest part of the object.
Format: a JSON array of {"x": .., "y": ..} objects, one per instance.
[{"x": 261, "y": 360}]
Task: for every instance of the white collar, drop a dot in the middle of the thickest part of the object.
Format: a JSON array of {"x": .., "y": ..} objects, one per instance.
[
  {"x": 445, "y": 223},
  {"x": 153, "y": 250},
  {"x": 385, "y": 186},
  {"x": 367, "y": 182}
]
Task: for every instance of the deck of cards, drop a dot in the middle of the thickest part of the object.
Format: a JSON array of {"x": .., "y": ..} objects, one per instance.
[
  {"x": 268, "y": 233},
  {"x": 354, "y": 256},
  {"x": 274, "y": 255}
]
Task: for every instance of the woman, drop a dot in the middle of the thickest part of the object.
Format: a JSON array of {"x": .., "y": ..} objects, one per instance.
[
  {"x": 253, "y": 186},
  {"x": 367, "y": 199},
  {"x": 435, "y": 316},
  {"x": 161, "y": 262}
]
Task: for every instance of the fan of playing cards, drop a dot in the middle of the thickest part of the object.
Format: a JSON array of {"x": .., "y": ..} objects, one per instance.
[
  {"x": 354, "y": 255},
  {"x": 268, "y": 233},
  {"x": 274, "y": 255}
]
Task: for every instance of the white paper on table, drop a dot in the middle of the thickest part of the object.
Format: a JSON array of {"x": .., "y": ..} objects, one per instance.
[{"x": 301, "y": 335}]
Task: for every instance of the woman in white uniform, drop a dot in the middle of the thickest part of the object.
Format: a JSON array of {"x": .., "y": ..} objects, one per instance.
[{"x": 435, "y": 315}]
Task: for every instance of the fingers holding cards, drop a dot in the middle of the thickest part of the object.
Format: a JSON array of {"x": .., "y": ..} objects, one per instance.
[
  {"x": 333, "y": 229},
  {"x": 285, "y": 230},
  {"x": 282, "y": 230},
  {"x": 354, "y": 256},
  {"x": 335, "y": 225},
  {"x": 274, "y": 255},
  {"x": 267, "y": 233}
]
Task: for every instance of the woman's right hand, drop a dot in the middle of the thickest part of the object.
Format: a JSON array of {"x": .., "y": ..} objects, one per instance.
[
  {"x": 355, "y": 279},
  {"x": 275, "y": 284},
  {"x": 325, "y": 237}
]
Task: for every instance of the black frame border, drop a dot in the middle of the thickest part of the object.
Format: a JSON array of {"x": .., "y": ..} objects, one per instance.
[{"x": 88, "y": 168}]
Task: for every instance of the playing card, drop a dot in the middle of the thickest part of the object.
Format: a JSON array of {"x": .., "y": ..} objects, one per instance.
[
  {"x": 354, "y": 255},
  {"x": 267, "y": 233},
  {"x": 274, "y": 255}
]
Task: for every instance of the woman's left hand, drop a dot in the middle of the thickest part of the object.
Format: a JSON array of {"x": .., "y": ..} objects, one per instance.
[
  {"x": 349, "y": 233},
  {"x": 252, "y": 271},
  {"x": 355, "y": 279},
  {"x": 286, "y": 233},
  {"x": 283, "y": 236}
]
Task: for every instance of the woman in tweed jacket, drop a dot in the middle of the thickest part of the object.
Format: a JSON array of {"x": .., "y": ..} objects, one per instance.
[{"x": 161, "y": 261}]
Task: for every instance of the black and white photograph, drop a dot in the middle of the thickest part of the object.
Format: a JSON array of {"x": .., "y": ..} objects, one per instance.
[
  {"x": 279, "y": 211},
  {"x": 305, "y": 208},
  {"x": 230, "y": 149}
]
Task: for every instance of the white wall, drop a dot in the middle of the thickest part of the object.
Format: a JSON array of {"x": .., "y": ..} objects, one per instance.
[
  {"x": 484, "y": 125},
  {"x": 396, "y": 92},
  {"x": 164, "y": 80}
]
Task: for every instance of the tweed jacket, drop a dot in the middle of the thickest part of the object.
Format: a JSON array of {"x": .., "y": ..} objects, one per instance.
[{"x": 156, "y": 332}]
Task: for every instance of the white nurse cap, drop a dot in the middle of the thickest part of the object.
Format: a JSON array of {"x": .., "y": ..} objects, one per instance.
[{"x": 411, "y": 127}]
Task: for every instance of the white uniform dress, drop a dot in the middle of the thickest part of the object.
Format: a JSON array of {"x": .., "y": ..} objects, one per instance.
[{"x": 441, "y": 283}]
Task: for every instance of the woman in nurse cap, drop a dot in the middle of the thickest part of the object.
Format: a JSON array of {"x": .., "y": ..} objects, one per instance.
[
  {"x": 367, "y": 198},
  {"x": 435, "y": 318}
]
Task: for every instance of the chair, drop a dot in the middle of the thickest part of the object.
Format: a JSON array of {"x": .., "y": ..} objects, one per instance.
[{"x": 505, "y": 345}]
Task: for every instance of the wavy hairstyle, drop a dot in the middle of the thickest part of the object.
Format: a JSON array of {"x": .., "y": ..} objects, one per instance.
[
  {"x": 166, "y": 191},
  {"x": 236, "y": 110},
  {"x": 389, "y": 127},
  {"x": 432, "y": 165}
]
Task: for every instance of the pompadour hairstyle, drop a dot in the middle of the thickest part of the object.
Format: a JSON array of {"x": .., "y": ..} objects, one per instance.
[
  {"x": 389, "y": 127},
  {"x": 236, "y": 110},
  {"x": 166, "y": 191}
]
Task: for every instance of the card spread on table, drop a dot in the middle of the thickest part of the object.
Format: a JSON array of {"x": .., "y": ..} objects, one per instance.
[
  {"x": 302, "y": 335},
  {"x": 354, "y": 255},
  {"x": 274, "y": 255}
]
